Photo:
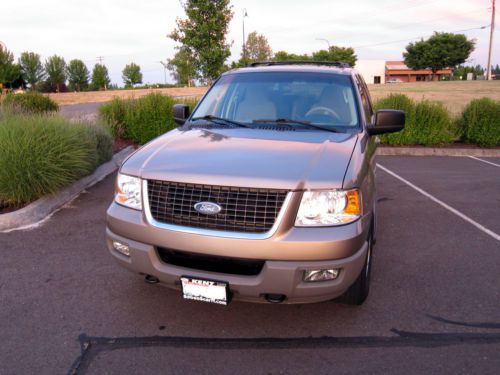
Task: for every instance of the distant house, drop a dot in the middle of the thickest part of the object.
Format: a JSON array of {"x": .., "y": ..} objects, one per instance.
[
  {"x": 397, "y": 71},
  {"x": 382, "y": 71}
]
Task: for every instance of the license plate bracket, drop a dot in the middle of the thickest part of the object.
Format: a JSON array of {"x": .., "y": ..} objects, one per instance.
[{"x": 205, "y": 290}]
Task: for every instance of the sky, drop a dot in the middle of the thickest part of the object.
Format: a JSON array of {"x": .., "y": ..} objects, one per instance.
[{"x": 124, "y": 31}]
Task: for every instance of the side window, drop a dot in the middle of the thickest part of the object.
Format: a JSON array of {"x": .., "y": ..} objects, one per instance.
[{"x": 365, "y": 98}]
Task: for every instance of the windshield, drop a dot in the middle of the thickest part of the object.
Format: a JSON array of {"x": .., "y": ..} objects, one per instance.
[{"x": 316, "y": 98}]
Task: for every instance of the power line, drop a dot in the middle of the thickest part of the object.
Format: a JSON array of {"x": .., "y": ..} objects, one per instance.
[{"x": 418, "y": 37}]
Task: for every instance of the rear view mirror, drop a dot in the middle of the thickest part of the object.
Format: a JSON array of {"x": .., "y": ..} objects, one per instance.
[
  {"x": 387, "y": 121},
  {"x": 180, "y": 113}
]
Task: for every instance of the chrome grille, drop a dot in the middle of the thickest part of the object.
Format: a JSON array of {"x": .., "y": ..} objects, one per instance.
[{"x": 246, "y": 210}]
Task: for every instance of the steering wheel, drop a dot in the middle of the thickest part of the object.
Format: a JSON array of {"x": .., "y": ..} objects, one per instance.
[{"x": 323, "y": 111}]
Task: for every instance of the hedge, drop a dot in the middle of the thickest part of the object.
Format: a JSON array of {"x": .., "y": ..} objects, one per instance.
[
  {"x": 479, "y": 123},
  {"x": 39, "y": 154},
  {"x": 142, "y": 119},
  {"x": 427, "y": 123},
  {"x": 29, "y": 102}
]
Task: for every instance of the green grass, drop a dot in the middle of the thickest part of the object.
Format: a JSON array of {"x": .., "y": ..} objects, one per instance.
[
  {"x": 40, "y": 154},
  {"x": 29, "y": 102},
  {"x": 141, "y": 119}
]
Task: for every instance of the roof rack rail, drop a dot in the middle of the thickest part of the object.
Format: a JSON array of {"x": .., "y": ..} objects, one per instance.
[{"x": 339, "y": 64}]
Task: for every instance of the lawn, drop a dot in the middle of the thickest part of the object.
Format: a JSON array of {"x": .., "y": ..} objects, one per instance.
[{"x": 455, "y": 95}]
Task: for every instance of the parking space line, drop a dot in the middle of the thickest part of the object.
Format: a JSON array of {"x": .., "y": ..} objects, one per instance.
[
  {"x": 441, "y": 203},
  {"x": 484, "y": 161}
]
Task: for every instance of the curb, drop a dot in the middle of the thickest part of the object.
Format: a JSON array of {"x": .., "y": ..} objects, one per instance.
[
  {"x": 437, "y": 151},
  {"x": 43, "y": 208}
]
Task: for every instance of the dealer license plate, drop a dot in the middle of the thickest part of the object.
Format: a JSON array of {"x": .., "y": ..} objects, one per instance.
[{"x": 205, "y": 290}]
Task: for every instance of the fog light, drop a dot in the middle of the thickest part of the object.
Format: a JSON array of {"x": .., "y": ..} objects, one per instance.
[
  {"x": 321, "y": 275},
  {"x": 121, "y": 248}
]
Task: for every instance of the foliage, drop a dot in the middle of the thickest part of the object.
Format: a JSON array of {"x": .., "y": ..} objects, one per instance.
[
  {"x": 203, "y": 34},
  {"x": 78, "y": 75},
  {"x": 479, "y": 123},
  {"x": 55, "y": 66},
  {"x": 334, "y": 53},
  {"x": 461, "y": 71},
  {"x": 9, "y": 71},
  {"x": 31, "y": 68},
  {"x": 427, "y": 123},
  {"x": 256, "y": 49},
  {"x": 182, "y": 66},
  {"x": 29, "y": 102},
  {"x": 285, "y": 56},
  {"x": 40, "y": 154},
  {"x": 440, "y": 51},
  {"x": 131, "y": 75},
  {"x": 100, "y": 77},
  {"x": 141, "y": 119}
]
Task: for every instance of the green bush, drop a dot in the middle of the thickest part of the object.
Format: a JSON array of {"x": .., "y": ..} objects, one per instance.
[
  {"x": 39, "y": 154},
  {"x": 29, "y": 102},
  {"x": 427, "y": 123},
  {"x": 479, "y": 123},
  {"x": 141, "y": 119}
]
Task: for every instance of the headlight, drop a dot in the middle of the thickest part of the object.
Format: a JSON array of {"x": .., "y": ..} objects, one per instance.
[
  {"x": 327, "y": 208},
  {"x": 128, "y": 191}
]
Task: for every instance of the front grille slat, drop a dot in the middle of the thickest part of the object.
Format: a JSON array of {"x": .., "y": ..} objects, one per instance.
[{"x": 247, "y": 210}]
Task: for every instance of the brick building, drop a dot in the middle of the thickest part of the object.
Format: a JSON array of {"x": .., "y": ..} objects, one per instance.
[{"x": 397, "y": 71}]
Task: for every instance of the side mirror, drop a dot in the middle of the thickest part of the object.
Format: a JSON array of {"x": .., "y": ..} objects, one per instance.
[
  {"x": 387, "y": 121},
  {"x": 180, "y": 113}
]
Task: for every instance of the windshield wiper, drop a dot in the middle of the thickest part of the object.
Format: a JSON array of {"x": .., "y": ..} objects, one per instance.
[
  {"x": 286, "y": 121},
  {"x": 219, "y": 120}
]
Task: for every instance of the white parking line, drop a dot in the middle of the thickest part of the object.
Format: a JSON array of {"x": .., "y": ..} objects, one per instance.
[
  {"x": 441, "y": 203},
  {"x": 484, "y": 161}
]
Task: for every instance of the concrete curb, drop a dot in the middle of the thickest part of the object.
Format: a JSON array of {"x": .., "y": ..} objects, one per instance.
[
  {"x": 43, "y": 208},
  {"x": 437, "y": 151}
]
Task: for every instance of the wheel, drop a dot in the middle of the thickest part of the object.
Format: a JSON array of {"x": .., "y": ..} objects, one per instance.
[{"x": 358, "y": 291}]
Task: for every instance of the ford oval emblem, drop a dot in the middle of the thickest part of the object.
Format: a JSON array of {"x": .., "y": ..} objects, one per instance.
[{"x": 207, "y": 208}]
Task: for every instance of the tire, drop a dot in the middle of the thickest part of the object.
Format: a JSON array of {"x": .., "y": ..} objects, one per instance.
[{"x": 357, "y": 292}]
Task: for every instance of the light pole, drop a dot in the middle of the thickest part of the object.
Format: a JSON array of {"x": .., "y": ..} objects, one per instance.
[
  {"x": 325, "y": 40},
  {"x": 245, "y": 14}
]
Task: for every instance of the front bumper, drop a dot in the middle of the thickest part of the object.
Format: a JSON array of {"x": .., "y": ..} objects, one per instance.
[{"x": 288, "y": 253}]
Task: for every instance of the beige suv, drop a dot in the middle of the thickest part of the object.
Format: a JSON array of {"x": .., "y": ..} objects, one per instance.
[{"x": 265, "y": 193}]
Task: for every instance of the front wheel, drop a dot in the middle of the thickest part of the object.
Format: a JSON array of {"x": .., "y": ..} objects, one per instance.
[{"x": 358, "y": 291}]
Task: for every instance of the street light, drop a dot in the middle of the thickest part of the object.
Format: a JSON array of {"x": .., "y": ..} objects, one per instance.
[
  {"x": 165, "y": 65},
  {"x": 245, "y": 14},
  {"x": 325, "y": 40}
]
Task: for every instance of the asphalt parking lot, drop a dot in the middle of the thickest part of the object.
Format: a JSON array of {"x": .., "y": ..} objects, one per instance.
[{"x": 434, "y": 307}]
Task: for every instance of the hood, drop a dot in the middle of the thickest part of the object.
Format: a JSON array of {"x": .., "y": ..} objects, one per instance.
[{"x": 292, "y": 160}]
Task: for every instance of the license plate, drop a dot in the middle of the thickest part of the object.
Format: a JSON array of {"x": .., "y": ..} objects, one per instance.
[{"x": 205, "y": 290}]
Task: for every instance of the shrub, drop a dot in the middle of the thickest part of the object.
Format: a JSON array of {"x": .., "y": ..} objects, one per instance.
[
  {"x": 142, "y": 119},
  {"x": 40, "y": 154},
  {"x": 29, "y": 102},
  {"x": 427, "y": 123},
  {"x": 479, "y": 123}
]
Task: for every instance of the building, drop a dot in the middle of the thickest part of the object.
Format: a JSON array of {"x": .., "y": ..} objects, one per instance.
[
  {"x": 382, "y": 71},
  {"x": 397, "y": 71}
]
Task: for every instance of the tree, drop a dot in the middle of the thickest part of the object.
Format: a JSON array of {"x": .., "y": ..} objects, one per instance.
[
  {"x": 131, "y": 75},
  {"x": 285, "y": 56},
  {"x": 78, "y": 75},
  {"x": 203, "y": 34},
  {"x": 9, "y": 71},
  {"x": 55, "y": 66},
  {"x": 442, "y": 50},
  {"x": 334, "y": 53},
  {"x": 182, "y": 66},
  {"x": 256, "y": 49},
  {"x": 100, "y": 77},
  {"x": 31, "y": 68}
]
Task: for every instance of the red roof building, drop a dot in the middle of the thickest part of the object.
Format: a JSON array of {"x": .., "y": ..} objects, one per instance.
[{"x": 397, "y": 71}]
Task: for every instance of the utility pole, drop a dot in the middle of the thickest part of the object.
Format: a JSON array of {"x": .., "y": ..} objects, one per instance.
[
  {"x": 492, "y": 30},
  {"x": 245, "y": 14},
  {"x": 165, "y": 65},
  {"x": 100, "y": 58}
]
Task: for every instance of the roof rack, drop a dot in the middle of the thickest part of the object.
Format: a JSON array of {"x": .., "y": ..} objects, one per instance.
[{"x": 339, "y": 64}]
